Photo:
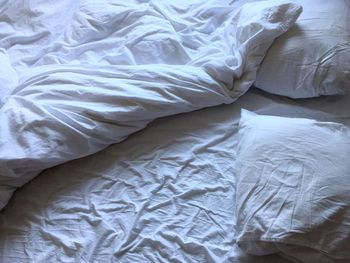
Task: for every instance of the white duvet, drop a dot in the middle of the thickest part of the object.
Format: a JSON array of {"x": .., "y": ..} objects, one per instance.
[{"x": 77, "y": 76}]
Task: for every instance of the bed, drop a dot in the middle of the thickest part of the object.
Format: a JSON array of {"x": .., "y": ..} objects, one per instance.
[{"x": 135, "y": 143}]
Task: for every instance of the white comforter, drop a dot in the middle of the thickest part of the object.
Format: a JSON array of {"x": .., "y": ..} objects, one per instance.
[{"x": 77, "y": 76}]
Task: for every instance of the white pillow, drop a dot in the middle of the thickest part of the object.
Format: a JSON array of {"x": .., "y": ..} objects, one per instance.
[
  {"x": 293, "y": 188},
  {"x": 313, "y": 57}
]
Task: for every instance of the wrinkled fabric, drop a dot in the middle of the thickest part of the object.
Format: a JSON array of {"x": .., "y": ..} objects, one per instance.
[
  {"x": 165, "y": 194},
  {"x": 95, "y": 72},
  {"x": 293, "y": 188},
  {"x": 312, "y": 59}
]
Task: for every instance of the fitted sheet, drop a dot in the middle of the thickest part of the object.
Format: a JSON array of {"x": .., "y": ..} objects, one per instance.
[{"x": 166, "y": 194}]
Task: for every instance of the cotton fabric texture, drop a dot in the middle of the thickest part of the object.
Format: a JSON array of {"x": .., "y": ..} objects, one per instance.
[
  {"x": 107, "y": 69},
  {"x": 293, "y": 188},
  {"x": 312, "y": 59}
]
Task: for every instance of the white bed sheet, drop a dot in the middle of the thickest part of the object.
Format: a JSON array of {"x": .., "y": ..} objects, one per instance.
[
  {"x": 90, "y": 73},
  {"x": 166, "y": 194}
]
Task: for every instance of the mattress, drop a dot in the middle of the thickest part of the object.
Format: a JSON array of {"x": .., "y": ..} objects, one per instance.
[{"x": 164, "y": 194}]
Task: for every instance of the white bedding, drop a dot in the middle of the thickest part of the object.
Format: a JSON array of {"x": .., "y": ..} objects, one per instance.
[
  {"x": 292, "y": 188},
  {"x": 93, "y": 72},
  {"x": 166, "y": 194}
]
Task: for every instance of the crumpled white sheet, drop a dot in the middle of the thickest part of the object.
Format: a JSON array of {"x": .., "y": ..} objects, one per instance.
[
  {"x": 99, "y": 71},
  {"x": 165, "y": 194}
]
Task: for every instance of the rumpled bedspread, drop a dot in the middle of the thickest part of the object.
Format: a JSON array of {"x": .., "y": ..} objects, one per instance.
[{"x": 77, "y": 76}]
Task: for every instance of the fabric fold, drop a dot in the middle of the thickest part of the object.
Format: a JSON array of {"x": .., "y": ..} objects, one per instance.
[{"x": 61, "y": 112}]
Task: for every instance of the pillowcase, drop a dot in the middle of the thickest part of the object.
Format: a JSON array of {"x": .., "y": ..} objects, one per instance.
[
  {"x": 293, "y": 188},
  {"x": 313, "y": 57}
]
